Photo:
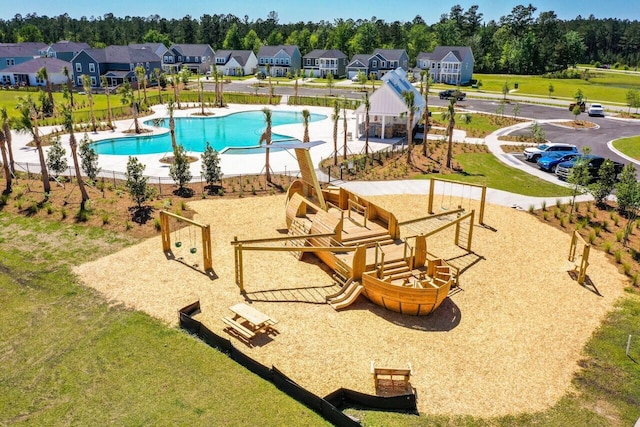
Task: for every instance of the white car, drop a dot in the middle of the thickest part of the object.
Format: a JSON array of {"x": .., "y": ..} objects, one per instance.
[{"x": 596, "y": 110}]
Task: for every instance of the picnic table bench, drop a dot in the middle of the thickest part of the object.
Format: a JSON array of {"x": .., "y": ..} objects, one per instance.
[
  {"x": 391, "y": 376},
  {"x": 248, "y": 321}
]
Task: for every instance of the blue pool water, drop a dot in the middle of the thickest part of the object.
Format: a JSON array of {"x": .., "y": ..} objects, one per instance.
[{"x": 238, "y": 130}]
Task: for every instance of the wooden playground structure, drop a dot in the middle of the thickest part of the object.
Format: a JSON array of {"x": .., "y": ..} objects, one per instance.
[
  {"x": 369, "y": 250},
  {"x": 466, "y": 189},
  {"x": 580, "y": 268},
  {"x": 205, "y": 235}
]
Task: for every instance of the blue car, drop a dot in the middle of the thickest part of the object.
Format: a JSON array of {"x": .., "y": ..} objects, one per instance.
[{"x": 550, "y": 161}]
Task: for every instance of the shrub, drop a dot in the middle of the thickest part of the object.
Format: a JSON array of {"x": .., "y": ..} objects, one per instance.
[
  {"x": 63, "y": 213},
  {"x": 619, "y": 236},
  {"x": 544, "y": 205},
  {"x": 592, "y": 237},
  {"x": 531, "y": 208},
  {"x": 618, "y": 256},
  {"x": 626, "y": 268},
  {"x": 82, "y": 215},
  {"x": 607, "y": 246},
  {"x": 105, "y": 218},
  {"x": 156, "y": 224}
]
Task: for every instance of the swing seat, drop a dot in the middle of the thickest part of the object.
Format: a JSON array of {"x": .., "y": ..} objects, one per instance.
[
  {"x": 193, "y": 250},
  {"x": 178, "y": 244}
]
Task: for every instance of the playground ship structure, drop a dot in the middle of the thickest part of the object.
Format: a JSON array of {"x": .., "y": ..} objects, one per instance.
[{"x": 362, "y": 243}]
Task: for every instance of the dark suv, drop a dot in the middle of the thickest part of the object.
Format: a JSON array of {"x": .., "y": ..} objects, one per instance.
[{"x": 563, "y": 170}]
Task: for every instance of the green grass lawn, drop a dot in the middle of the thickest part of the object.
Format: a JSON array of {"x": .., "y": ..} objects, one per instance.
[
  {"x": 602, "y": 86},
  {"x": 69, "y": 357},
  {"x": 629, "y": 146},
  {"x": 485, "y": 169}
]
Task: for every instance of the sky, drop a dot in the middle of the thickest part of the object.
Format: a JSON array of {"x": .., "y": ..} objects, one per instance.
[{"x": 317, "y": 10}]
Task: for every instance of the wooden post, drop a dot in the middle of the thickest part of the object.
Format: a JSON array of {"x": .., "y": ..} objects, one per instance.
[
  {"x": 206, "y": 248},
  {"x": 420, "y": 251},
  {"x": 483, "y": 199},
  {"x": 431, "y": 191},
  {"x": 165, "y": 231}
]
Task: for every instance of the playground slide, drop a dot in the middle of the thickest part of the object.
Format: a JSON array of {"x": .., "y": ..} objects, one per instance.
[{"x": 350, "y": 294}]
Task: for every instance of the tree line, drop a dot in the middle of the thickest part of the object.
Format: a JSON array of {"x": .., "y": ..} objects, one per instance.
[{"x": 521, "y": 42}]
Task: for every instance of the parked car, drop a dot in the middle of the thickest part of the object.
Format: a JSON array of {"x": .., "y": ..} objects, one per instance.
[
  {"x": 532, "y": 154},
  {"x": 563, "y": 170},
  {"x": 550, "y": 161},
  {"x": 596, "y": 110},
  {"x": 452, "y": 93}
]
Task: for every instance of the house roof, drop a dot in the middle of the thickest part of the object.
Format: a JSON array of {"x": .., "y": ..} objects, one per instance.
[
  {"x": 323, "y": 53},
  {"x": 439, "y": 53},
  {"x": 122, "y": 55},
  {"x": 192, "y": 49},
  {"x": 157, "y": 48},
  {"x": 267, "y": 51},
  {"x": 68, "y": 46},
  {"x": 52, "y": 65},
  {"x": 34, "y": 47},
  {"x": 241, "y": 56},
  {"x": 17, "y": 51},
  {"x": 359, "y": 60},
  {"x": 390, "y": 54}
]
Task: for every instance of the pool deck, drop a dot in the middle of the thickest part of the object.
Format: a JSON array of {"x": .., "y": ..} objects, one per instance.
[{"x": 231, "y": 164}]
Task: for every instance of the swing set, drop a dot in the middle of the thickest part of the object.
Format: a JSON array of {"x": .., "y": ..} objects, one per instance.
[
  {"x": 448, "y": 198},
  {"x": 166, "y": 231}
]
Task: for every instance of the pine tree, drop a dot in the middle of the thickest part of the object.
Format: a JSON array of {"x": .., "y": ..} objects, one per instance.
[
  {"x": 136, "y": 182},
  {"x": 179, "y": 169},
  {"x": 211, "y": 166},
  {"x": 88, "y": 158},
  {"x": 57, "y": 157}
]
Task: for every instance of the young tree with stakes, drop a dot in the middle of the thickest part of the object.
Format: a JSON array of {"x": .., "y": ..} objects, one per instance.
[
  {"x": 127, "y": 97},
  {"x": 6, "y": 128},
  {"x": 305, "y": 123},
  {"x": 211, "y": 170},
  {"x": 107, "y": 93},
  {"x": 336, "y": 118},
  {"x": 136, "y": 181},
  {"x": 88, "y": 158},
  {"x": 410, "y": 102}
]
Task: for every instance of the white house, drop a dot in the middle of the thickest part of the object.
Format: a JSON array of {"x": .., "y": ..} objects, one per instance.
[
  {"x": 447, "y": 64},
  {"x": 236, "y": 62},
  {"x": 388, "y": 113},
  {"x": 26, "y": 72}
]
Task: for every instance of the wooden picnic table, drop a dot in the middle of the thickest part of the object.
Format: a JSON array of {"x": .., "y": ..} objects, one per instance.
[{"x": 258, "y": 321}]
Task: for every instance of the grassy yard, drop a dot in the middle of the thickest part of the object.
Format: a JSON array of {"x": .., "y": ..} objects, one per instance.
[
  {"x": 629, "y": 146},
  {"x": 602, "y": 86},
  {"x": 69, "y": 357},
  {"x": 485, "y": 169}
]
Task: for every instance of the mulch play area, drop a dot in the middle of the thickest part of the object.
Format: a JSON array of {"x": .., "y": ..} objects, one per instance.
[{"x": 507, "y": 341}]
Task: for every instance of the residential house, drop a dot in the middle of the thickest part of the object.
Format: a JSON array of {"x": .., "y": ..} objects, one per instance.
[
  {"x": 116, "y": 63},
  {"x": 14, "y": 54},
  {"x": 198, "y": 58},
  {"x": 236, "y": 62},
  {"x": 158, "y": 48},
  {"x": 379, "y": 63},
  {"x": 64, "y": 50},
  {"x": 447, "y": 64},
  {"x": 388, "y": 112},
  {"x": 320, "y": 62},
  {"x": 25, "y": 73},
  {"x": 280, "y": 60}
]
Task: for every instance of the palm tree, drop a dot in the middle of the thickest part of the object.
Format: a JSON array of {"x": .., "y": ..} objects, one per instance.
[
  {"x": 127, "y": 97},
  {"x": 67, "y": 74},
  {"x": 86, "y": 84},
  {"x": 67, "y": 121},
  {"x": 335, "y": 117},
  {"x": 266, "y": 138},
  {"x": 426, "y": 77},
  {"x": 201, "y": 94},
  {"x": 175, "y": 82},
  {"x": 450, "y": 115},
  {"x": 270, "y": 82},
  {"x": 156, "y": 73},
  {"x": 305, "y": 122},
  {"x": 295, "y": 87},
  {"x": 139, "y": 71},
  {"x": 344, "y": 125},
  {"x": 42, "y": 74},
  {"x": 367, "y": 109},
  {"x": 107, "y": 92},
  {"x": 5, "y": 163},
  {"x": 6, "y": 129},
  {"x": 27, "y": 122},
  {"x": 172, "y": 127},
  {"x": 423, "y": 73},
  {"x": 409, "y": 100},
  {"x": 330, "y": 82}
]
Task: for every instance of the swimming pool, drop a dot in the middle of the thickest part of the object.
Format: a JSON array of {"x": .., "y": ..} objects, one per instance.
[{"x": 237, "y": 130}]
